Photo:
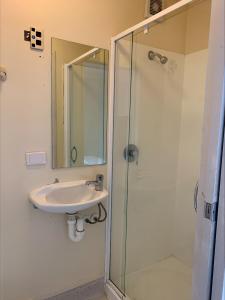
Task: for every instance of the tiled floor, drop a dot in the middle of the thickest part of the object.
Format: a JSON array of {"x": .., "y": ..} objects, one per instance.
[
  {"x": 101, "y": 298},
  {"x": 90, "y": 291}
]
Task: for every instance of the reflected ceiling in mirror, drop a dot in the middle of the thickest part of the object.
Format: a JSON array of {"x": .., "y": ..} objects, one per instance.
[{"x": 79, "y": 104}]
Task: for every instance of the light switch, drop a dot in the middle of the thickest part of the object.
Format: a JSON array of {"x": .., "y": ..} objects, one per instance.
[{"x": 36, "y": 158}]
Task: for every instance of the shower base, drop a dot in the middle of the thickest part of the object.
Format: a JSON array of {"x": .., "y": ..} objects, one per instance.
[{"x": 168, "y": 279}]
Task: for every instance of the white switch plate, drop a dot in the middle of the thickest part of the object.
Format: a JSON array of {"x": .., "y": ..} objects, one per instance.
[{"x": 35, "y": 158}]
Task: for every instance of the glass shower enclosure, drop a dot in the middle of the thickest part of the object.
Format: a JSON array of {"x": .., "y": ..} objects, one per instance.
[{"x": 159, "y": 92}]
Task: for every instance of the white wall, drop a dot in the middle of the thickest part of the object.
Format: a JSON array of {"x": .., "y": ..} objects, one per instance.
[{"x": 37, "y": 259}]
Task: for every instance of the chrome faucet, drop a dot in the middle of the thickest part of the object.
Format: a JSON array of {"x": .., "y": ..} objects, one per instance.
[{"x": 98, "y": 183}]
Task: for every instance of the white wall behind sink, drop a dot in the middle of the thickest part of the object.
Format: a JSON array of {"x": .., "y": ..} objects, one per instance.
[{"x": 38, "y": 259}]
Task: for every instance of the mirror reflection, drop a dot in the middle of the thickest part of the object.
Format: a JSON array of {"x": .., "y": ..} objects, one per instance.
[{"x": 79, "y": 102}]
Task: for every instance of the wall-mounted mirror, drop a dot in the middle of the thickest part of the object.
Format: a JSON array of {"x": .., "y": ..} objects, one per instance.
[{"x": 79, "y": 104}]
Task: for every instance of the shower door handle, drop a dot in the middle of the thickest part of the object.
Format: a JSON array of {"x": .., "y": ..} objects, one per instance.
[{"x": 196, "y": 197}]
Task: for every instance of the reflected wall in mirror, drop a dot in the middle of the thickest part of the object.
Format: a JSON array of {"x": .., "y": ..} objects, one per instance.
[{"x": 79, "y": 104}]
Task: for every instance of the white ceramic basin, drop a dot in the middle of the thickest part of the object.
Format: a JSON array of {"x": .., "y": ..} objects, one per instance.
[{"x": 66, "y": 197}]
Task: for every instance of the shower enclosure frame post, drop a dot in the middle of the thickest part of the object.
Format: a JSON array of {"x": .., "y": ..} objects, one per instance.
[
  {"x": 216, "y": 119},
  {"x": 218, "y": 34}
]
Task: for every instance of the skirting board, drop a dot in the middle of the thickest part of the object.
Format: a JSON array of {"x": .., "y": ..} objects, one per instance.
[{"x": 112, "y": 294}]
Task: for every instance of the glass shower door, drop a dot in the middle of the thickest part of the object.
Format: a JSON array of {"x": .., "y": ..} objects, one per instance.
[
  {"x": 158, "y": 113},
  {"x": 160, "y": 214}
]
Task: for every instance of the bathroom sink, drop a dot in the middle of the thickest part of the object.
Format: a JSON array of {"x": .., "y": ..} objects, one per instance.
[{"x": 66, "y": 197}]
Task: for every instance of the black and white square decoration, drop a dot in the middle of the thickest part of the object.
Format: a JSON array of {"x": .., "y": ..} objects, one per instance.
[{"x": 36, "y": 39}]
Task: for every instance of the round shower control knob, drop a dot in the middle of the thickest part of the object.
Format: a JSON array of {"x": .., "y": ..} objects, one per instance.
[
  {"x": 3, "y": 76},
  {"x": 130, "y": 153}
]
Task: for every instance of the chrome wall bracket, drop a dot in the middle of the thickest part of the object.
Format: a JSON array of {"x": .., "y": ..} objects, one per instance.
[{"x": 210, "y": 211}]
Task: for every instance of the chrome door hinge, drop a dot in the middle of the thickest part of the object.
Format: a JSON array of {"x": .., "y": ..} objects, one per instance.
[{"x": 210, "y": 211}]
